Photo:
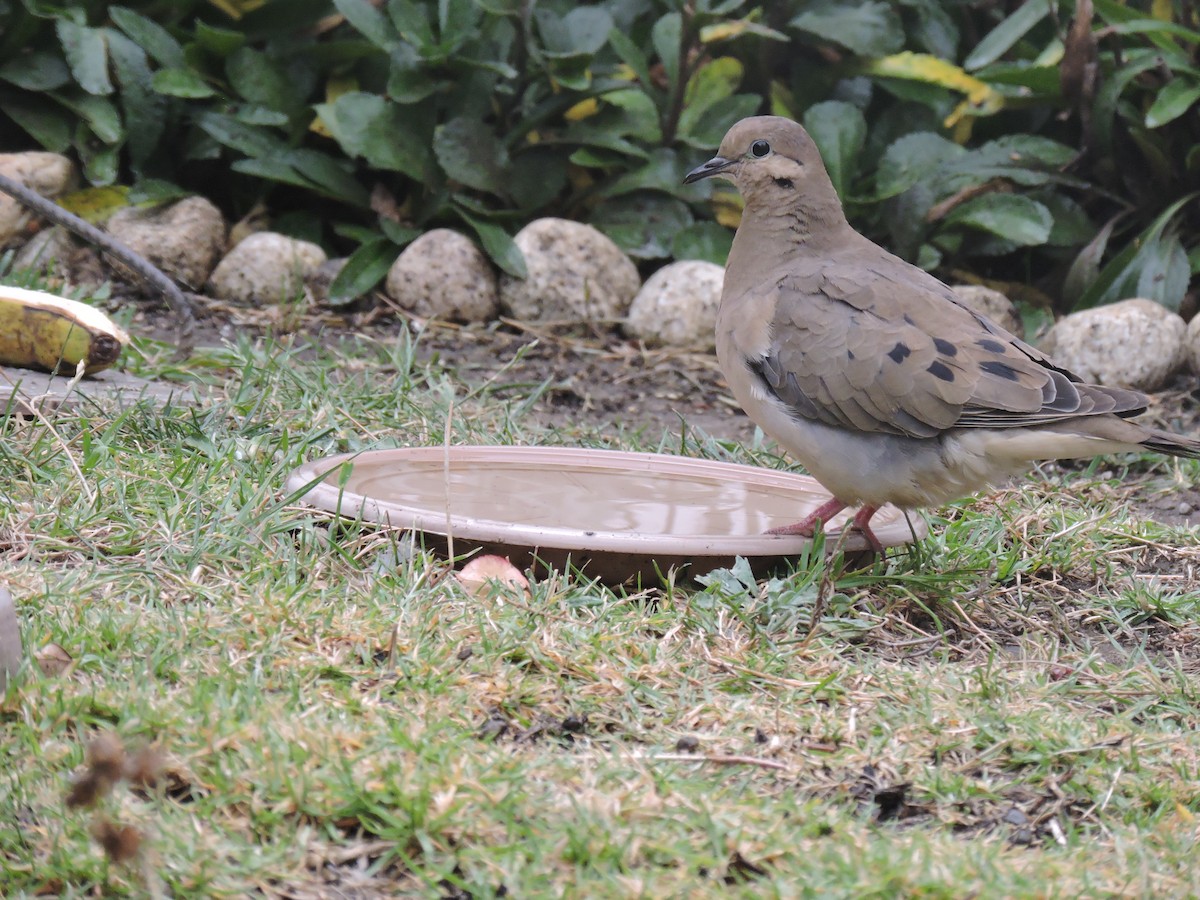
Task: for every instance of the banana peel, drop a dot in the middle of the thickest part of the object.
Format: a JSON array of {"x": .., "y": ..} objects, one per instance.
[{"x": 51, "y": 333}]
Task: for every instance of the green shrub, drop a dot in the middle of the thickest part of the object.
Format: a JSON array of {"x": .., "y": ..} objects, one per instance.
[{"x": 986, "y": 137}]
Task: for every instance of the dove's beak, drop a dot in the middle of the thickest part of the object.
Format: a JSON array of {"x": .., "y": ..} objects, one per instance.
[{"x": 714, "y": 166}]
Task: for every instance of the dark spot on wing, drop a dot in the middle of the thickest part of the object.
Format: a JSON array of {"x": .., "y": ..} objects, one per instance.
[
  {"x": 900, "y": 352},
  {"x": 990, "y": 346},
  {"x": 849, "y": 354},
  {"x": 999, "y": 369},
  {"x": 785, "y": 183},
  {"x": 939, "y": 369},
  {"x": 909, "y": 320},
  {"x": 944, "y": 347}
]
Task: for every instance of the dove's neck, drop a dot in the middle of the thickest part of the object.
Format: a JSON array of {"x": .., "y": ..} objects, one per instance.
[{"x": 770, "y": 237}]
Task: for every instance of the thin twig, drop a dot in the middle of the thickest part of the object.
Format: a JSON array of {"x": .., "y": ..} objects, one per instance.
[
  {"x": 176, "y": 299},
  {"x": 719, "y": 760}
]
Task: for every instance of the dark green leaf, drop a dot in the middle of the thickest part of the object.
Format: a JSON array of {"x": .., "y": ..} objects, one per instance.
[
  {"x": 711, "y": 83},
  {"x": 497, "y": 244},
  {"x": 663, "y": 172},
  {"x": 412, "y": 23},
  {"x": 144, "y": 110},
  {"x": 272, "y": 169},
  {"x": 365, "y": 268},
  {"x": 36, "y": 71},
  {"x": 703, "y": 240},
  {"x": 155, "y": 40},
  {"x": 409, "y": 80},
  {"x": 49, "y": 126},
  {"x": 870, "y": 28},
  {"x": 631, "y": 55},
  {"x": 457, "y": 18},
  {"x": 398, "y": 234},
  {"x": 99, "y": 113},
  {"x": 382, "y": 133},
  {"x": 1000, "y": 39},
  {"x": 535, "y": 177},
  {"x": 581, "y": 32},
  {"x": 667, "y": 34},
  {"x": 707, "y": 129},
  {"x": 1072, "y": 225},
  {"x": 181, "y": 83},
  {"x": 644, "y": 225},
  {"x": 244, "y": 138},
  {"x": 935, "y": 30},
  {"x": 87, "y": 55},
  {"x": 259, "y": 115},
  {"x": 469, "y": 153},
  {"x": 911, "y": 159},
  {"x": 1121, "y": 277},
  {"x": 839, "y": 130},
  {"x": 1174, "y": 99},
  {"x": 1085, "y": 268},
  {"x": 218, "y": 41},
  {"x": 368, "y": 21},
  {"x": 258, "y": 79},
  {"x": 331, "y": 174},
  {"x": 99, "y": 161},
  {"x": 154, "y": 191},
  {"x": 1013, "y": 217}
]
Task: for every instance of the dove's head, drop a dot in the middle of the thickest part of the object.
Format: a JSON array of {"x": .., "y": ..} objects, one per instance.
[{"x": 773, "y": 162}]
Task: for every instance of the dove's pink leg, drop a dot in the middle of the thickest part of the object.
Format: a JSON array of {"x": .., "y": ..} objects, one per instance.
[
  {"x": 826, "y": 511},
  {"x": 862, "y": 521},
  {"x": 808, "y": 525}
]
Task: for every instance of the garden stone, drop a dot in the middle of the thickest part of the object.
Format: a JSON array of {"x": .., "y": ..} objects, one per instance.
[
  {"x": 1191, "y": 342},
  {"x": 265, "y": 268},
  {"x": 576, "y": 274},
  {"x": 677, "y": 305},
  {"x": 444, "y": 275},
  {"x": 49, "y": 174},
  {"x": 1136, "y": 344},
  {"x": 991, "y": 303},
  {"x": 184, "y": 239}
]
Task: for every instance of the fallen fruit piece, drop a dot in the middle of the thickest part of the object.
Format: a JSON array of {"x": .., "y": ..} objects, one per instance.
[
  {"x": 481, "y": 573},
  {"x": 54, "y": 334}
]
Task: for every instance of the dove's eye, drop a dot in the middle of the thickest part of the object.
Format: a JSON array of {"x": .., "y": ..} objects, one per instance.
[{"x": 759, "y": 149}]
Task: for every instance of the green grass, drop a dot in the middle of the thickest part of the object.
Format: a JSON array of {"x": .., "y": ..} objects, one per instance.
[{"x": 1008, "y": 710}]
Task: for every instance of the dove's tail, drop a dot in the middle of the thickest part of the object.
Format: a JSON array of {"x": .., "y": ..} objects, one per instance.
[{"x": 1172, "y": 444}]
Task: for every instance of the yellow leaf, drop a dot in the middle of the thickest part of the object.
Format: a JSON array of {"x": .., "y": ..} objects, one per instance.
[
  {"x": 1163, "y": 10},
  {"x": 624, "y": 72},
  {"x": 96, "y": 204},
  {"x": 722, "y": 31},
  {"x": 982, "y": 98},
  {"x": 727, "y": 208},
  {"x": 235, "y": 9},
  {"x": 584, "y": 109}
]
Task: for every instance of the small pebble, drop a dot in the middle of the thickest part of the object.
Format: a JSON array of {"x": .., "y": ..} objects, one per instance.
[{"x": 1184, "y": 508}]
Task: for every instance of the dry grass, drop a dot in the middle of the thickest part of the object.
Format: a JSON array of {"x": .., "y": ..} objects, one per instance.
[{"x": 1009, "y": 709}]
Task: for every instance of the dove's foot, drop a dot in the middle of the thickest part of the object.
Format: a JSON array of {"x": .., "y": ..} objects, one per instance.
[
  {"x": 862, "y": 521},
  {"x": 807, "y": 526}
]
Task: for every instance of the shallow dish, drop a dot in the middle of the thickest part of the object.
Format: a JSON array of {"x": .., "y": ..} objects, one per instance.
[{"x": 612, "y": 514}]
